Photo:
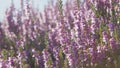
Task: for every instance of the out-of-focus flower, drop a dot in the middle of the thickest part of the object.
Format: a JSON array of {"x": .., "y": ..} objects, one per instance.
[
  {"x": 45, "y": 57},
  {"x": 105, "y": 37},
  {"x": 113, "y": 44},
  {"x": 111, "y": 28}
]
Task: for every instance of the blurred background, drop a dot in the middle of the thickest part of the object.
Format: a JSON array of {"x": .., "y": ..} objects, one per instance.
[{"x": 39, "y": 4}]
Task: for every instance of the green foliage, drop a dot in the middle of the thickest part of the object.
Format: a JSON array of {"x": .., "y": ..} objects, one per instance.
[{"x": 60, "y": 7}]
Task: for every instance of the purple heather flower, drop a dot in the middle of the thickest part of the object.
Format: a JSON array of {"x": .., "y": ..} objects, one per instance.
[
  {"x": 94, "y": 24},
  {"x": 93, "y": 53},
  {"x": 112, "y": 41},
  {"x": 11, "y": 61},
  {"x": 105, "y": 37},
  {"x": 70, "y": 60},
  {"x": 45, "y": 57},
  {"x": 113, "y": 44},
  {"x": 94, "y": 37},
  {"x": 75, "y": 49},
  {"x": 111, "y": 28},
  {"x": 56, "y": 51},
  {"x": 41, "y": 62},
  {"x": 105, "y": 48}
]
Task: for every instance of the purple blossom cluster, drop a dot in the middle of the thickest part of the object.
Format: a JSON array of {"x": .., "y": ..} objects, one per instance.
[{"x": 70, "y": 35}]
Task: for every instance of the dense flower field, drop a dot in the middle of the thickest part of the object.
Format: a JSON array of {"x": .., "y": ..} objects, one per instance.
[{"x": 71, "y": 35}]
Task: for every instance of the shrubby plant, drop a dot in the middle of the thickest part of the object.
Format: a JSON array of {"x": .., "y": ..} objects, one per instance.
[{"x": 71, "y": 35}]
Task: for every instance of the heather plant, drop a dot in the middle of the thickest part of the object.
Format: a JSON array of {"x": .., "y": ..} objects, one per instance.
[{"x": 74, "y": 34}]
